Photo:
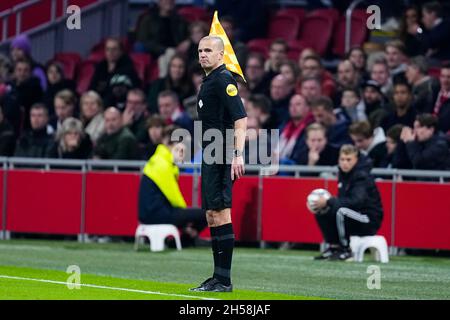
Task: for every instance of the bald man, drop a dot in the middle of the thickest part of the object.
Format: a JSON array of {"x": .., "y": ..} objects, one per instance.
[{"x": 220, "y": 109}]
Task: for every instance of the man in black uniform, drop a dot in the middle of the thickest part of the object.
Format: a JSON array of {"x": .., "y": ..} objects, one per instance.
[{"x": 220, "y": 109}]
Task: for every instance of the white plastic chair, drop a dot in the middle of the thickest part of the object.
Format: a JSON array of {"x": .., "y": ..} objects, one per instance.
[
  {"x": 157, "y": 234},
  {"x": 377, "y": 245}
]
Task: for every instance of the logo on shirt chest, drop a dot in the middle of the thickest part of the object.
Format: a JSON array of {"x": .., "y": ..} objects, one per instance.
[{"x": 200, "y": 103}]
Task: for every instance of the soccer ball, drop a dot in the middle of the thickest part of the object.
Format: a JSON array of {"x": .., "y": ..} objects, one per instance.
[{"x": 314, "y": 196}]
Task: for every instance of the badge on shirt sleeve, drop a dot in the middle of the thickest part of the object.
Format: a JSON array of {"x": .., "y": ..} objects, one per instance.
[{"x": 232, "y": 90}]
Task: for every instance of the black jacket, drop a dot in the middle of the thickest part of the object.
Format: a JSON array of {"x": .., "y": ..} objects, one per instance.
[
  {"x": 34, "y": 144},
  {"x": 432, "y": 154},
  {"x": 358, "y": 191},
  {"x": 7, "y": 139}
]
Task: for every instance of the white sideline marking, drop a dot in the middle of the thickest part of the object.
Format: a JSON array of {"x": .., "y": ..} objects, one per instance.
[{"x": 109, "y": 288}]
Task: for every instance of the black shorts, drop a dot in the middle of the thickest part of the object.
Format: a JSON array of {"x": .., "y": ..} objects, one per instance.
[{"x": 216, "y": 186}]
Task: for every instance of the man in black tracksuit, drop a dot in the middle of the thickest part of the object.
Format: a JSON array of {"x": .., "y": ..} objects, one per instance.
[{"x": 357, "y": 210}]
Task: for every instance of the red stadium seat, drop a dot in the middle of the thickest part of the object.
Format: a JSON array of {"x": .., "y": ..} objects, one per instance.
[
  {"x": 191, "y": 14},
  {"x": 294, "y": 12},
  {"x": 142, "y": 64},
  {"x": 332, "y": 14},
  {"x": 259, "y": 45},
  {"x": 308, "y": 36},
  {"x": 85, "y": 73},
  {"x": 70, "y": 62},
  {"x": 284, "y": 26},
  {"x": 434, "y": 72},
  {"x": 96, "y": 56},
  {"x": 359, "y": 32}
]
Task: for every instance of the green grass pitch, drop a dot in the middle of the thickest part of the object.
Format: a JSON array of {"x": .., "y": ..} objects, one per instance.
[{"x": 36, "y": 269}]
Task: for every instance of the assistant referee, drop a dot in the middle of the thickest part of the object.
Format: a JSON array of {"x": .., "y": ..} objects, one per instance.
[{"x": 220, "y": 109}]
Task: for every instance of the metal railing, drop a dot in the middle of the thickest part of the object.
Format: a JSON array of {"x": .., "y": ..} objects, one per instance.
[{"x": 348, "y": 23}]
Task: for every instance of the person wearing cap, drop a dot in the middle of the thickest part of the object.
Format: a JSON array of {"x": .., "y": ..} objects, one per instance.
[
  {"x": 117, "y": 92},
  {"x": 21, "y": 49},
  {"x": 375, "y": 102}
]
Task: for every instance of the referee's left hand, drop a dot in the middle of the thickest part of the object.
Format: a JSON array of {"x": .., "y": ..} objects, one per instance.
[{"x": 237, "y": 168}]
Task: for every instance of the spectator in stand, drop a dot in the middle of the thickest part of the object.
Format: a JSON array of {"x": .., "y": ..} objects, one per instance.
[
  {"x": 7, "y": 137},
  {"x": 259, "y": 106},
  {"x": 190, "y": 103},
  {"x": 5, "y": 72},
  {"x": 160, "y": 198},
  {"x": 411, "y": 21},
  {"x": 357, "y": 210},
  {"x": 396, "y": 59},
  {"x": 352, "y": 105},
  {"x": 277, "y": 55},
  {"x": 189, "y": 47},
  {"x": 65, "y": 104},
  {"x": 71, "y": 141},
  {"x": 36, "y": 142},
  {"x": 117, "y": 142},
  {"x": 136, "y": 114},
  {"x": 375, "y": 102},
  {"x": 257, "y": 148},
  {"x": 370, "y": 142},
  {"x": 170, "y": 110},
  {"x": 290, "y": 71},
  {"x": 119, "y": 86},
  {"x": 433, "y": 39},
  {"x": 160, "y": 32},
  {"x": 292, "y": 141},
  {"x": 358, "y": 57},
  {"x": 155, "y": 127},
  {"x": 403, "y": 111},
  {"x": 280, "y": 95},
  {"x": 391, "y": 160},
  {"x": 25, "y": 90},
  {"x": 20, "y": 49},
  {"x": 56, "y": 83},
  {"x": 426, "y": 149},
  {"x": 256, "y": 78},
  {"x": 347, "y": 77},
  {"x": 310, "y": 88},
  {"x": 336, "y": 123},
  {"x": 312, "y": 67},
  {"x": 116, "y": 62},
  {"x": 177, "y": 80},
  {"x": 441, "y": 102},
  {"x": 319, "y": 152},
  {"x": 306, "y": 53},
  {"x": 92, "y": 115},
  {"x": 380, "y": 73},
  {"x": 423, "y": 86}
]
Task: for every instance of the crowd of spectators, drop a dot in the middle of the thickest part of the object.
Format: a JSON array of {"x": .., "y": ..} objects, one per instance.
[{"x": 389, "y": 107}]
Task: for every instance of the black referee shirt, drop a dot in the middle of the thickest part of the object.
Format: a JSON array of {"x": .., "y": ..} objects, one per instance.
[{"x": 218, "y": 102}]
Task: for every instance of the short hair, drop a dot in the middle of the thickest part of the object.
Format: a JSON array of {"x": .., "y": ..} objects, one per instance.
[
  {"x": 23, "y": 60},
  {"x": 67, "y": 96},
  {"x": 71, "y": 124},
  {"x": 397, "y": 44},
  {"x": 294, "y": 67},
  {"x": 280, "y": 41},
  {"x": 167, "y": 134},
  {"x": 394, "y": 132},
  {"x": 348, "y": 149},
  {"x": 361, "y": 128},
  {"x": 94, "y": 95},
  {"x": 404, "y": 84},
  {"x": 258, "y": 56},
  {"x": 324, "y": 102},
  {"x": 261, "y": 102},
  {"x": 138, "y": 92},
  {"x": 355, "y": 48},
  {"x": 39, "y": 105},
  {"x": 348, "y": 61},
  {"x": 316, "y": 127},
  {"x": 315, "y": 79},
  {"x": 355, "y": 90},
  {"x": 155, "y": 121},
  {"x": 381, "y": 61},
  {"x": 427, "y": 120},
  {"x": 315, "y": 58},
  {"x": 117, "y": 40},
  {"x": 420, "y": 63},
  {"x": 445, "y": 65},
  {"x": 57, "y": 65},
  {"x": 434, "y": 6},
  {"x": 169, "y": 93}
]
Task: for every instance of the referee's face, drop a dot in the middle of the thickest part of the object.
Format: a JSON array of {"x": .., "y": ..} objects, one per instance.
[{"x": 210, "y": 55}]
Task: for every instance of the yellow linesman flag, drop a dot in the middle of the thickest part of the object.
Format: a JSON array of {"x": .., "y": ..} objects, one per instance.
[{"x": 229, "y": 57}]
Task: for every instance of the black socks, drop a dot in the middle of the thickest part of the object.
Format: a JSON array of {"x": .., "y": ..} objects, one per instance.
[{"x": 222, "y": 246}]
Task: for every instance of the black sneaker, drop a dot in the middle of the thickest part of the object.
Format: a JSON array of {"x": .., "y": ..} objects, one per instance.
[
  {"x": 326, "y": 254},
  {"x": 343, "y": 254},
  {"x": 213, "y": 285}
]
